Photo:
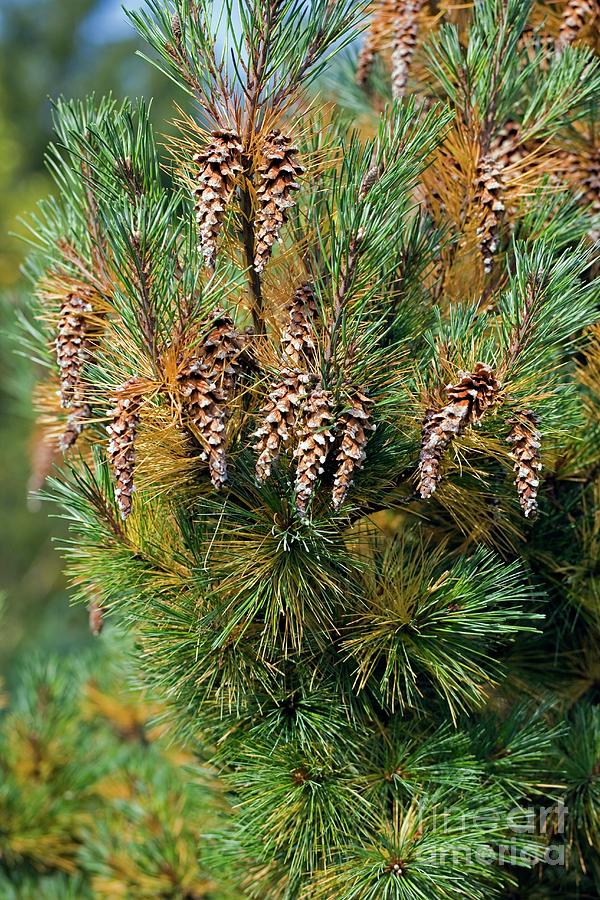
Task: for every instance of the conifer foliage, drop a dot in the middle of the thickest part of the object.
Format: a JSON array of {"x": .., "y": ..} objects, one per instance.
[
  {"x": 94, "y": 801},
  {"x": 342, "y": 369}
]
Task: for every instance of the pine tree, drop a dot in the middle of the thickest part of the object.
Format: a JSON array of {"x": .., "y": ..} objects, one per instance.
[
  {"x": 94, "y": 800},
  {"x": 343, "y": 368}
]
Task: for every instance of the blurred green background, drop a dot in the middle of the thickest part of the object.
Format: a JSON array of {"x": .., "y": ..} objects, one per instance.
[{"x": 47, "y": 48}]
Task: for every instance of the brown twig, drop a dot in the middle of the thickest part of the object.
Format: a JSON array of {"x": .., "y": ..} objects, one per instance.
[
  {"x": 146, "y": 316},
  {"x": 180, "y": 57},
  {"x": 286, "y": 89},
  {"x": 97, "y": 238},
  {"x": 253, "y": 91},
  {"x": 522, "y": 330},
  {"x": 249, "y": 243},
  {"x": 347, "y": 276}
]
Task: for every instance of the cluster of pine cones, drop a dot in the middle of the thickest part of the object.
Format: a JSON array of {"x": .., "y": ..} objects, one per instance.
[
  {"x": 394, "y": 25},
  {"x": 220, "y": 164},
  {"x": 468, "y": 401},
  {"x": 207, "y": 383},
  {"x": 299, "y": 411}
]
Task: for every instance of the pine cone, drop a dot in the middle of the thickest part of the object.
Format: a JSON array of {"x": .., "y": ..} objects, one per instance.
[
  {"x": 355, "y": 424},
  {"x": 219, "y": 163},
  {"x": 367, "y": 53},
  {"x": 176, "y": 27},
  {"x": 75, "y": 425},
  {"x": 506, "y": 148},
  {"x": 121, "y": 446},
  {"x": 567, "y": 165},
  {"x": 489, "y": 185},
  {"x": 298, "y": 337},
  {"x": 73, "y": 346},
  {"x": 370, "y": 179},
  {"x": 582, "y": 172},
  {"x": 314, "y": 444},
  {"x": 526, "y": 441},
  {"x": 42, "y": 456},
  {"x": 469, "y": 399},
  {"x": 278, "y": 419},
  {"x": 532, "y": 42},
  {"x": 222, "y": 351},
  {"x": 278, "y": 175},
  {"x": 374, "y": 39},
  {"x": 96, "y": 618},
  {"x": 576, "y": 15},
  {"x": 406, "y": 29},
  {"x": 205, "y": 402}
]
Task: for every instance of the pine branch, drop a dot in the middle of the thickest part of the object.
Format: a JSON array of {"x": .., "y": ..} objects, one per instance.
[
  {"x": 147, "y": 318},
  {"x": 279, "y": 337},
  {"x": 346, "y": 277},
  {"x": 249, "y": 244},
  {"x": 534, "y": 295}
]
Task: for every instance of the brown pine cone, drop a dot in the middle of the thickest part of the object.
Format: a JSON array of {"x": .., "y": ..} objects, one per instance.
[
  {"x": 468, "y": 400},
  {"x": 567, "y": 165},
  {"x": 205, "y": 404},
  {"x": 220, "y": 163},
  {"x": 298, "y": 337},
  {"x": 96, "y": 618},
  {"x": 278, "y": 173},
  {"x": 75, "y": 425},
  {"x": 313, "y": 448},
  {"x": 42, "y": 457},
  {"x": 73, "y": 346},
  {"x": 582, "y": 172},
  {"x": 222, "y": 351},
  {"x": 532, "y": 42},
  {"x": 278, "y": 417},
  {"x": 526, "y": 442},
  {"x": 576, "y": 15},
  {"x": 355, "y": 425},
  {"x": 121, "y": 446},
  {"x": 506, "y": 147},
  {"x": 370, "y": 179},
  {"x": 489, "y": 186},
  {"x": 367, "y": 53},
  {"x": 406, "y": 29},
  {"x": 375, "y": 38}
]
